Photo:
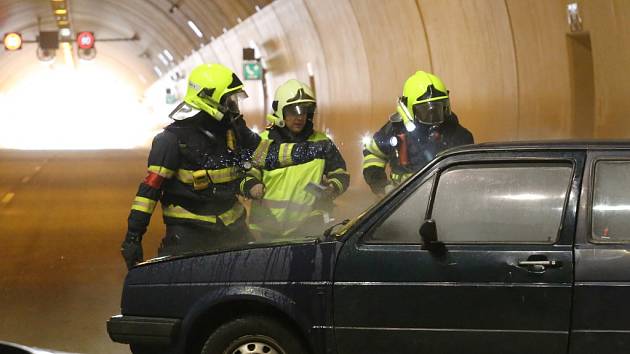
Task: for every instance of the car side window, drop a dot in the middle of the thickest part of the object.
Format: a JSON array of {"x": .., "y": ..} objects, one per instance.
[
  {"x": 403, "y": 224},
  {"x": 501, "y": 203},
  {"x": 611, "y": 202}
]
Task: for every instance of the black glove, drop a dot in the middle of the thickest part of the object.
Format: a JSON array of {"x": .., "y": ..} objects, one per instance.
[
  {"x": 230, "y": 116},
  {"x": 245, "y": 137},
  {"x": 330, "y": 192},
  {"x": 131, "y": 249}
]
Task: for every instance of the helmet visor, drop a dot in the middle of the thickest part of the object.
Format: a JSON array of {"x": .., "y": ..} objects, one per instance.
[
  {"x": 232, "y": 101},
  {"x": 306, "y": 109},
  {"x": 432, "y": 112}
]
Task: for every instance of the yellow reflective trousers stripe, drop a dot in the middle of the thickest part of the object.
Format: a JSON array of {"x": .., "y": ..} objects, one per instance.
[
  {"x": 228, "y": 217},
  {"x": 144, "y": 204}
]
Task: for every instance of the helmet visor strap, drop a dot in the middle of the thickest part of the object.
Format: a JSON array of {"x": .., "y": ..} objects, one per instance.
[
  {"x": 432, "y": 112},
  {"x": 299, "y": 109}
]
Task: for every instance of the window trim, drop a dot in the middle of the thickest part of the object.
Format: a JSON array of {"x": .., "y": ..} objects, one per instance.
[{"x": 591, "y": 199}]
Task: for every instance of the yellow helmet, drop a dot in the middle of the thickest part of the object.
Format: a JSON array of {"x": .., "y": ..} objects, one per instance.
[
  {"x": 292, "y": 96},
  {"x": 215, "y": 89},
  {"x": 425, "y": 95}
]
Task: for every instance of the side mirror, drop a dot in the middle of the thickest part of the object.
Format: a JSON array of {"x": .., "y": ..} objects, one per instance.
[{"x": 428, "y": 233}]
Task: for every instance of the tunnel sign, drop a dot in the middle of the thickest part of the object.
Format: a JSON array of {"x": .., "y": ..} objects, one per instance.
[
  {"x": 85, "y": 40},
  {"x": 252, "y": 70}
]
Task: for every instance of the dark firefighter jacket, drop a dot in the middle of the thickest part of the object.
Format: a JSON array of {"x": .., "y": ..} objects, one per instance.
[
  {"x": 287, "y": 202},
  {"x": 408, "y": 152},
  {"x": 196, "y": 169}
]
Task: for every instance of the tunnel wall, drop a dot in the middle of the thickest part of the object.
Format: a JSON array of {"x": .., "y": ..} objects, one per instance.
[
  {"x": 507, "y": 63},
  {"x": 607, "y": 21}
]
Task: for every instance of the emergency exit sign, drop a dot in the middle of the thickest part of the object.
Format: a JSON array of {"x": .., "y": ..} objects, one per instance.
[{"x": 252, "y": 71}]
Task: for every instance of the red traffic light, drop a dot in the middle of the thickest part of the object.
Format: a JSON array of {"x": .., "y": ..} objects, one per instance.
[
  {"x": 12, "y": 41},
  {"x": 85, "y": 40}
]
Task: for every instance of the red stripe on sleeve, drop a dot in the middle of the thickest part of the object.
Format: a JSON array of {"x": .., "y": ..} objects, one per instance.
[{"x": 153, "y": 180}]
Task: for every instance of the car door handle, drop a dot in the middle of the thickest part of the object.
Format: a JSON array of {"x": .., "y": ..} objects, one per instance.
[{"x": 539, "y": 266}]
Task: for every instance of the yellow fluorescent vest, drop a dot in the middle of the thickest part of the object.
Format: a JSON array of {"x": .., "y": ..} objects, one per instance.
[{"x": 286, "y": 202}]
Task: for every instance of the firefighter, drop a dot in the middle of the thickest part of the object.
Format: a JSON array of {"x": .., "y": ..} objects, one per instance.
[
  {"x": 196, "y": 168},
  {"x": 422, "y": 126},
  {"x": 297, "y": 199}
]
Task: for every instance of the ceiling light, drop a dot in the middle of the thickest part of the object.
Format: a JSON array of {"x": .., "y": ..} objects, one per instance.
[
  {"x": 157, "y": 71},
  {"x": 168, "y": 54},
  {"x": 195, "y": 29},
  {"x": 163, "y": 59}
]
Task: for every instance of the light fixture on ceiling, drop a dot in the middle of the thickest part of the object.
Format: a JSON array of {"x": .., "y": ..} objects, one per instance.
[
  {"x": 163, "y": 59},
  {"x": 573, "y": 17},
  {"x": 168, "y": 55},
  {"x": 65, "y": 32},
  {"x": 195, "y": 29}
]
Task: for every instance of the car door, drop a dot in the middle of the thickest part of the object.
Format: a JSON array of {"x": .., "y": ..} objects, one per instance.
[
  {"x": 601, "y": 315},
  {"x": 503, "y": 286}
]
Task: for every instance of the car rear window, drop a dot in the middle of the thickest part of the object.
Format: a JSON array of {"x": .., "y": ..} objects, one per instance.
[{"x": 611, "y": 202}]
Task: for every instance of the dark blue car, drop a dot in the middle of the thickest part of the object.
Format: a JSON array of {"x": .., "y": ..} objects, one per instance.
[{"x": 514, "y": 248}]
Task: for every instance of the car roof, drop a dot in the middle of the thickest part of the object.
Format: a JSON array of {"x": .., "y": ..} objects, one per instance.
[{"x": 543, "y": 145}]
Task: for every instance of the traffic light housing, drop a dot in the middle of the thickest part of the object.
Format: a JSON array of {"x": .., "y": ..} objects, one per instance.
[
  {"x": 48, "y": 40},
  {"x": 12, "y": 41}
]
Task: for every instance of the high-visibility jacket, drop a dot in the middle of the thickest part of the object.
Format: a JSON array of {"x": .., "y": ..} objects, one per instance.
[
  {"x": 287, "y": 203},
  {"x": 196, "y": 169},
  {"x": 408, "y": 152}
]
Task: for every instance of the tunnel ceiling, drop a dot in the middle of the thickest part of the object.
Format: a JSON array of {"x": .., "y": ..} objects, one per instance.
[{"x": 158, "y": 24}]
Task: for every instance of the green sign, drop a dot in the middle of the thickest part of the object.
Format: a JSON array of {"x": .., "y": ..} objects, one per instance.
[{"x": 252, "y": 70}]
